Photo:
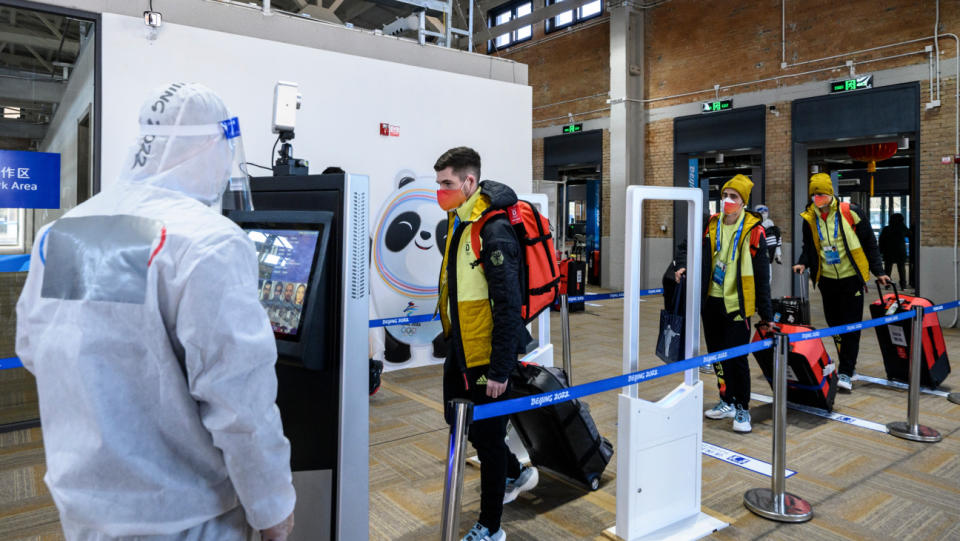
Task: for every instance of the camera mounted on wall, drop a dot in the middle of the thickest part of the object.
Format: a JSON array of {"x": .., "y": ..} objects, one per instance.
[{"x": 286, "y": 102}]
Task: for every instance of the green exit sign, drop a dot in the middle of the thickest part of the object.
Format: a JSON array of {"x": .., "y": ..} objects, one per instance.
[
  {"x": 573, "y": 128},
  {"x": 847, "y": 85},
  {"x": 714, "y": 106}
]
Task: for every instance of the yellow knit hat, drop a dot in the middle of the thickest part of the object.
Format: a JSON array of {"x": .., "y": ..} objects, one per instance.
[
  {"x": 821, "y": 184},
  {"x": 742, "y": 184}
]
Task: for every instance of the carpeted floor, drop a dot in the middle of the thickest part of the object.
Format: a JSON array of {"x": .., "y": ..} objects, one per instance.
[{"x": 862, "y": 484}]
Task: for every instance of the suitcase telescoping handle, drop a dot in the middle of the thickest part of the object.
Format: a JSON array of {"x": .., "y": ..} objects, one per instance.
[
  {"x": 805, "y": 285},
  {"x": 896, "y": 294}
]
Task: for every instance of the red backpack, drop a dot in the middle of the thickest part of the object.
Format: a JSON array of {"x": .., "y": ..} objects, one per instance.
[{"x": 539, "y": 275}]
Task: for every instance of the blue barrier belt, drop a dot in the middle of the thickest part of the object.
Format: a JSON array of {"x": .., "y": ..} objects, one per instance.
[
  {"x": 390, "y": 322},
  {"x": 852, "y": 327},
  {"x": 516, "y": 405},
  {"x": 15, "y": 263},
  {"x": 942, "y": 307},
  {"x": 10, "y": 362}
]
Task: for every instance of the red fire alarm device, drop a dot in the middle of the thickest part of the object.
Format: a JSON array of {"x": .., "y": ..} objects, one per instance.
[
  {"x": 384, "y": 129},
  {"x": 394, "y": 131},
  {"x": 946, "y": 160}
]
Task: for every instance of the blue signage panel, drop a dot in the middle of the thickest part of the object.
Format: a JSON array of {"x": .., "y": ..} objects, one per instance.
[
  {"x": 693, "y": 173},
  {"x": 29, "y": 180}
]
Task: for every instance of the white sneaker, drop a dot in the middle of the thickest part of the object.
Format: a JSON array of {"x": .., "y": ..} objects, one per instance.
[
  {"x": 529, "y": 477},
  {"x": 721, "y": 411},
  {"x": 844, "y": 382},
  {"x": 481, "y": 533},
  {"x": 741, "y": 421}
]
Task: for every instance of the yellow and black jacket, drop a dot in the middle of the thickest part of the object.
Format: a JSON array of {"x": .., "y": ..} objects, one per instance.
[
  {"x": 480, "y": 298},
  {"x": 858, "y": 239},
  {"x": 753, "y": 268}
]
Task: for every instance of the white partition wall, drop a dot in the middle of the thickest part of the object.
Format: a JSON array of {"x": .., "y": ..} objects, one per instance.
[
  {"x": 658, "y": 443},
  {"x": 346, "y": 98}
]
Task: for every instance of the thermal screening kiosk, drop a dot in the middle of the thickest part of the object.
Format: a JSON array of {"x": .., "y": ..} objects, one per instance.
[{"x": 311, "y": 238}]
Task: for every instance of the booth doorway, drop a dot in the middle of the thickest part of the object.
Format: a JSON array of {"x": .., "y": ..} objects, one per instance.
[{"x": 825, "y": 131}]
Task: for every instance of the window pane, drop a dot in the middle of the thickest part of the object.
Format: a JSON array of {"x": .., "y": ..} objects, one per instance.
[
  {"x": 503, "y": 40},
  {"x": 502, "y": 18},
  {"x": 564, "y": 18},
  {"x": 590, "y": 9},
  {"x": 524, "y": 33},
  {"x": 9, "y": 227},
  {"x": 524, "y": 9}
]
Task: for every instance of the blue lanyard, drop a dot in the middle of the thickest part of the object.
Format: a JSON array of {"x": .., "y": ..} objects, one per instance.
[
  {"x": 836, "y": 226},
  {"x": 736, "y": 239}
]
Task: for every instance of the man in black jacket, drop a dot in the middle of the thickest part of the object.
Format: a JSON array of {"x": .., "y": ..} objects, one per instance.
[
  {"x": 479, "y": 304},
  {"x": 840, "y": 250}
]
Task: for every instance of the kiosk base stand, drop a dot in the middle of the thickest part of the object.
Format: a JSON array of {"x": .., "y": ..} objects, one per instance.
[{"x": 658, "y": 474}]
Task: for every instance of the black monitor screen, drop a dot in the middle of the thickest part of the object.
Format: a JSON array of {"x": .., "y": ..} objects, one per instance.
[{"x": 287, "y": 258}]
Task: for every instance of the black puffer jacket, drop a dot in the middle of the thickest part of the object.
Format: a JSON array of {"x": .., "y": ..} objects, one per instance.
[{"x": 510, "y": 336}]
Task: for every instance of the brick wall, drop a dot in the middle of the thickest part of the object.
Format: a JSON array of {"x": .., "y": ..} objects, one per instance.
[
  {"x": 693, "y": 44},
  {"x": 658, "y": 171},
  {"x": 778, "y": 170},
  {"x": 937, "y": 139}
]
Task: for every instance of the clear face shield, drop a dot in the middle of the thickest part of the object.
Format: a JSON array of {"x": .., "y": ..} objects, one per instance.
[{"x": 237, "y": 195}]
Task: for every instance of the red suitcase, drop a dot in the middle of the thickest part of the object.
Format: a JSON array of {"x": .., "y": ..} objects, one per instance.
[
  {"x": 895, "y": 339},
  {"x": 811, "y": 375}
]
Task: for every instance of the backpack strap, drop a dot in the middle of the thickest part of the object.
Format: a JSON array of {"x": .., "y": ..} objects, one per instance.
[
  {"x": 847, "y": 215},
  {"x": 758, "y": 239},
  {"x": 477, "y": 227}
]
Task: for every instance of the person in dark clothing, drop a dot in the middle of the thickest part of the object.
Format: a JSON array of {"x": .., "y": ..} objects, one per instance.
[
  {"x": 893, "y": 247},
  {"x": 840, "y": 250},
  {"x": 479, "y": 305},
  {"x": 735, "y": 285}
]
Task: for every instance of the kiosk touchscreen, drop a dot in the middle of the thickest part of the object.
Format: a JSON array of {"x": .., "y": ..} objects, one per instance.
[{"x": 292, "y": 255}]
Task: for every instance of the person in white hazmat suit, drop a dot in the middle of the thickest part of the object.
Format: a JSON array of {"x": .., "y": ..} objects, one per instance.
[{"x": 153, "y": 357}]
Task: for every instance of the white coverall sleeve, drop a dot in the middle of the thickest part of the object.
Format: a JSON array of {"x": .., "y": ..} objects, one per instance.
[{"x": 229, "y": 352}]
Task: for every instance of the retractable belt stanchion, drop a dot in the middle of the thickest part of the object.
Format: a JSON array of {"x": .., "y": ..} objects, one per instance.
[
  {"x": 456, "y": 456},
  {"x": 912, "y": 430},
  {"x": 565, "y": 327},
  {"x": 777, "y": 504}
]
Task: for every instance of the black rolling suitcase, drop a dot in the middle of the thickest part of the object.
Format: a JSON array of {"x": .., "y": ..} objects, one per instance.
[
  {"x": 562, "y": 438},
  {"x": 895, "y": 339},
  {"x": 794, "y": 310}
]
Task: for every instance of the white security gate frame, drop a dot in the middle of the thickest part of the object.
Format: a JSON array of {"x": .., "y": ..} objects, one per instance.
[{"x": 659, "y": 443}]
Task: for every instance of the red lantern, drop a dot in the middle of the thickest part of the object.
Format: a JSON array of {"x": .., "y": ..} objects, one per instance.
[{"x": 872, "y": 153}]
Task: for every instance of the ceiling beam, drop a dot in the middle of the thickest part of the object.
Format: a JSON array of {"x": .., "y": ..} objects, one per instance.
[
  {"x": 53, "y": 29},
  {"x": 356, "y": 9},
  {"x": 25, "y": 89},
  {"x": 43, "y": 62},
  {"x": 29, "y": 39},
  {"x": 22, "y": 130},
  {"x": 536, "y": 16}
]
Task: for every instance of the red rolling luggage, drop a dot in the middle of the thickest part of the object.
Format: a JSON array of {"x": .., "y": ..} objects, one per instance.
[
  {"x": 811, "y": 375},
  {"x": 895, "y": 339}
]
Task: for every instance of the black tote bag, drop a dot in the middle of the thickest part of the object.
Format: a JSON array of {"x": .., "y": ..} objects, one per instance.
[{"x": 670, "y": 339}]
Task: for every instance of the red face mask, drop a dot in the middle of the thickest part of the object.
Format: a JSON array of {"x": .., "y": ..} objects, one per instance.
[
  {"x": 730, "y": 207},
  {"x": 450, "y": 199},
  {"x": 821, "y": 200}
]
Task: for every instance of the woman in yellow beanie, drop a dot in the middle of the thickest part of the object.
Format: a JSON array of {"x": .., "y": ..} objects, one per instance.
[
  {"x": 841, "y": 251},
  {"x": 736, "y": 285}
]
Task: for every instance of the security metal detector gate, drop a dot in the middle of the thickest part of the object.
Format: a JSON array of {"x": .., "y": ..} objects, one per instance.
[{"x": 659, "y": 443}]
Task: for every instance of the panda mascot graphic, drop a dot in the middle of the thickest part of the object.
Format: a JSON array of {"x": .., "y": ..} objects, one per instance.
[{"x": 408, "y": 239}]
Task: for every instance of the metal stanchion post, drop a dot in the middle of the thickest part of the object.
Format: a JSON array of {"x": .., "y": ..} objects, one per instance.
[
  {"x": 776, "y": 503},
  {"x": 912, "y": 430},
  {"x": 456, "y": 455},
  {"x": 565, "y": 327}
]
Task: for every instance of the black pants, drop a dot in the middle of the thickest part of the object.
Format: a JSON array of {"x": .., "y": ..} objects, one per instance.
[
  {"x": 842, "y": 305},
  {"x": 721, "y": 332},
  {"x": 888, "y": 266},
  {"x": 487, "y": 436}
]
